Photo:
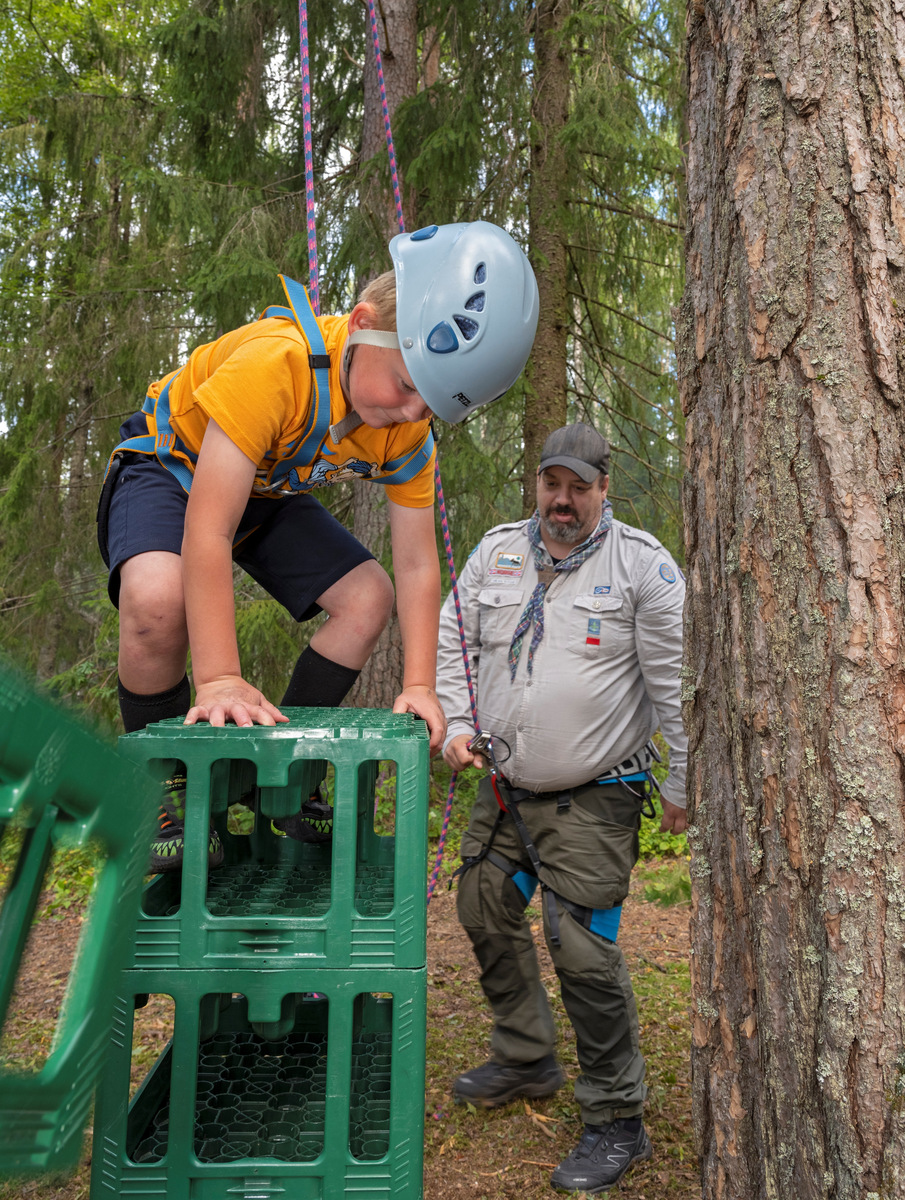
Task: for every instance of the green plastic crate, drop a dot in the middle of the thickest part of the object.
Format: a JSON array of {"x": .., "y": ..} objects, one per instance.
[
  {"x": 359, "y": 901},
  {"x": 65, "y": 788},
  {"x": 266, "y": 1089}
]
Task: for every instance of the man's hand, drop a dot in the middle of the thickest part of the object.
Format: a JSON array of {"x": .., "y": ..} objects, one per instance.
[
  {"x": 231, "y": 698},
  {"x": 458, "y": 756},
  {"x": 674, "y": 819},
  {"x": 422, "y": 701}
]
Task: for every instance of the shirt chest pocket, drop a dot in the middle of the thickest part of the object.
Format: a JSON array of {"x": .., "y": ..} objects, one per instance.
[
  {"x": 598, "y": 624},
  {"x": 500, "y": 610}
]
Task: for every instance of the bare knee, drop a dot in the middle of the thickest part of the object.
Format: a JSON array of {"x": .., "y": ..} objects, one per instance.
[
  {"x": 362, "y": 601},
  {"x": 377, "y": 600},
  {"x": 152, "y": 606}
]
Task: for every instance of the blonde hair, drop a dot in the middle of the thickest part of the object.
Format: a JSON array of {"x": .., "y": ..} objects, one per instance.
[{"x": 380, "y": 293}]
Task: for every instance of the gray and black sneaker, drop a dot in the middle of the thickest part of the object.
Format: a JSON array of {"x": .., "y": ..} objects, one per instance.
[
  {"x": 168, "y": 846},
  {"x": 493, "y": 1084},
  {"x": 313, "y": 823},
  {"x": 603, "y": 1156}
]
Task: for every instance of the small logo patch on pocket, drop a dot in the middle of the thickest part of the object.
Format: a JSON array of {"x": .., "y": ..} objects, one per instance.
[{"x": 593, "y": 638}]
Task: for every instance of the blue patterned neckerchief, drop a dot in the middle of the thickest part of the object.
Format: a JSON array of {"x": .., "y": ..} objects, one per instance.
[{"x": 534, "y": 610}]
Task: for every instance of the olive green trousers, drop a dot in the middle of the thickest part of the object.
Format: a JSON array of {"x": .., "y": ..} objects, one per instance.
[{"x": 588, "y": 851}]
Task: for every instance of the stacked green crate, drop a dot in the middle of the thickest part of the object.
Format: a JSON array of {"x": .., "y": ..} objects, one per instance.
[
  {"x": 297, "y": 971},
  {"x": 61, "y": 787}
]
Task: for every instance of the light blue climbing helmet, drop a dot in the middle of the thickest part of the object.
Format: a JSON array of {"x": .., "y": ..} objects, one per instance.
[{"x": 466, "y": 314}]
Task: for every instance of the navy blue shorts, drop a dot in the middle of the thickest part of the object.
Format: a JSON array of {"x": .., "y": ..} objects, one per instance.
[{"x": 294, "y": 548}]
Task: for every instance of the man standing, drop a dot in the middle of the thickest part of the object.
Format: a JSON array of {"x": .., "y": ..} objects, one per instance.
[{"x": 574, "y": 626}]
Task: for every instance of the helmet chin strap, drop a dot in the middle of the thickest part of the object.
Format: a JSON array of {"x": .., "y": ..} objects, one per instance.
[
  {"x": 381, "y": 338},
  {"x": 369, "y": 337}
]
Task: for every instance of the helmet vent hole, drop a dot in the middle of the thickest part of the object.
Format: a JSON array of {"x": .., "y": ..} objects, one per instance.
[
  {"x": 480, "y": 275},
  {"x": 468, "y": 327},
  {"x": 475, "y": 303}
]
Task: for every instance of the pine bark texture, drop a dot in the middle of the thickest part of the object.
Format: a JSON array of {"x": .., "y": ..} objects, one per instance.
[
  {"x": 381, "y": 679},
  {"x": 791, "y": 373},
  {"x": 545, "y": 398}
]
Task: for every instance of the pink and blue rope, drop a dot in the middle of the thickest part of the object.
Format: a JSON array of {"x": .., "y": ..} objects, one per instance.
[
  {"x": 309, "y": 159},
  {"x": 378, "y": 57},
  {"x": 472, "y": 700},
  {"x": 444, "y": 523}
]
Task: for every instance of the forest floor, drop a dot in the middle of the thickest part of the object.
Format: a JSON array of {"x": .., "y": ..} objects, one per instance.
[{"x": 486, "y": 1155}]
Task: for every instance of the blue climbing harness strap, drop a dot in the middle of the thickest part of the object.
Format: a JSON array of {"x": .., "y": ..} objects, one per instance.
[{"x": 175, "y": 456}]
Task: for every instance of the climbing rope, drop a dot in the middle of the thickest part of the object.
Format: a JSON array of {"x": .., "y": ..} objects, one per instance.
[
  {"x": 444, "y": 523},
  {"x": 313, "y": 277},
  {"x": 391, "y": 149}
]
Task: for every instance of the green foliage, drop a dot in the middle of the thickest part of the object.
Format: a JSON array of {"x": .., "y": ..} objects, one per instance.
[
  {"x": 70, "y": 874},
  {"x": 151, "y": 187},
  {"x": 669, "y": 883},
  {"x": 655, "y": 844}
]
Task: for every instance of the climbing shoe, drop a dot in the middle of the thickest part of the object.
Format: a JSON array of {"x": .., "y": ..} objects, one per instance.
[
  {"x": 168, "y": 846},
  {"x": 493, "y": 1084},
  {"x": 313, "y": 823},
  {"x": 603, "y": 1156}
]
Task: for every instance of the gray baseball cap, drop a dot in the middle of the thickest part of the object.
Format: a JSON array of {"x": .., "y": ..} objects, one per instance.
[{"x": 578, "y": 447}]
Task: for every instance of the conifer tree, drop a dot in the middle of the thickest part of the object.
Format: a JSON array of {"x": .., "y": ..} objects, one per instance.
[{"x": 153, "y": 189}]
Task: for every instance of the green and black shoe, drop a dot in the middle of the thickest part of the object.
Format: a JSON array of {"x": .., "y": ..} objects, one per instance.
[
  {"x": 168, "y": 846},
  {"x": 313, "y": 823}
]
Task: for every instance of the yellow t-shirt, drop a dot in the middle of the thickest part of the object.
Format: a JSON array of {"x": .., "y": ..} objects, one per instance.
[{"x": 256, "y": 384}]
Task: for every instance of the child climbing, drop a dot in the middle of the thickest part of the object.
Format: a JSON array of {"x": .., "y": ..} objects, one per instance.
[{"x": 219, "y": 467}]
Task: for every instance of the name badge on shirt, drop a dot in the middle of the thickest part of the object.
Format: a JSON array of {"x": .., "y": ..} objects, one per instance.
[{"x": 505, "y": 563}]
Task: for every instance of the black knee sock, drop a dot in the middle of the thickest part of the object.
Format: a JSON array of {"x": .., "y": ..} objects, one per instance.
[
  {"x": 317, "y": 682},
  {"x": 139, "y": 711}
]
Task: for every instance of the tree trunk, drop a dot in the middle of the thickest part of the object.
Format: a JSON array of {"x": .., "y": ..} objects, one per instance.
[
  {"x": 67, "y": 567},
  {"x": 793, "y": 677},
  {"x": 381, "y": 680},
  {"x": 545, "y": 399}
]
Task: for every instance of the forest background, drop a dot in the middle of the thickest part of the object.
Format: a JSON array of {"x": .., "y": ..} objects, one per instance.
[{"x": 153, "y": 188}]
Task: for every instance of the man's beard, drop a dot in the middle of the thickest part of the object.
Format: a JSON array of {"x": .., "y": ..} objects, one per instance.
[{"x": 568, "y": 535}]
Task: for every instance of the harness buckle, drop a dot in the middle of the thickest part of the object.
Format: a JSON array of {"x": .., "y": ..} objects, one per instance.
[{"x": 564, "y": 801}]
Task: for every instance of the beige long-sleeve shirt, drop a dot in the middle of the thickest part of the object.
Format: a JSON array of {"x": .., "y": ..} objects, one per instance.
[{"x": 605, "y": 675}]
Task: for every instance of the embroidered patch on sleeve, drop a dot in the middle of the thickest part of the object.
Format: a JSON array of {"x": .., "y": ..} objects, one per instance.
[{"x": 667, "y": 573}]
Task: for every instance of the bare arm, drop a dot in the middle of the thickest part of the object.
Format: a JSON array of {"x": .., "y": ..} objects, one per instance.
[
  {"x": 417, "y": 571},
  {"x": 220, "y": 490}
]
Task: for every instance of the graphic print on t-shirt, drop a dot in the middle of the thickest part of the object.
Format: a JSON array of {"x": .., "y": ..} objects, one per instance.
[{"x": 325, "y": 474}]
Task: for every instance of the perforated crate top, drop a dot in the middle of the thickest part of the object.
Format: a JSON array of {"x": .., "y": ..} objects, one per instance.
[{"x": 332, "y": 723}]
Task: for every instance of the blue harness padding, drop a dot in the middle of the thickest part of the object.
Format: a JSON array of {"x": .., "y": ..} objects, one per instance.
[
  {"x": 526, "y": 884},
  {"x": 605, "y": 922},
  {"x": 602, "y": 921},
  {"x": 175, "y": 456},
  {"x": 641, "y": 775}
]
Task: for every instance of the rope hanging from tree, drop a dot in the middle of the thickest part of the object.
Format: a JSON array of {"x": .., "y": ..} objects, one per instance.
[{"x": 313, "y": 289}]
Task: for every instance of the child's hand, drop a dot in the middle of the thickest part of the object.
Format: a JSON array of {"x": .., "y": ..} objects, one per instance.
[
  {"x": 422, "y": 701},
  {"x": 231, "y": 698}
]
